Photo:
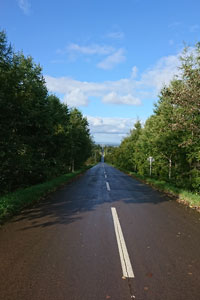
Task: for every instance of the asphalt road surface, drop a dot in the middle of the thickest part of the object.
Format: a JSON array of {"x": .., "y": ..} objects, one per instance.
[{"x": 103, "y": 236}]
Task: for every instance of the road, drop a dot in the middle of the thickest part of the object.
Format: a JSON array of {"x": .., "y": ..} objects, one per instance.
[{"x": 103, "y": 236}]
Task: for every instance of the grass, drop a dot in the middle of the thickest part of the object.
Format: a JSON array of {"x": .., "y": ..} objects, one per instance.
[
  {"x": 183, "y": 196},
  {"x": 13, "y": 203}
]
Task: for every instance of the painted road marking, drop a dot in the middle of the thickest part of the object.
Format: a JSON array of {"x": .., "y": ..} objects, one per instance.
[
  {"x": 108, "y": 186},
  {"x": 105, "y": 176},
  {"x": 123, "y": 253}
]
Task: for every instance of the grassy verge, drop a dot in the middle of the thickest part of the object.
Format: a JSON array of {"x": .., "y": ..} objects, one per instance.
[
  {"x": 183, "y": 196},
  {"x": 13, "y": 203}
]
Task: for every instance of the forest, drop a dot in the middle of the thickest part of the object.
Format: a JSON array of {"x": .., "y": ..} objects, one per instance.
[
  {"x": 170, "y": 137},
  {"x": 40, "y": 137}
]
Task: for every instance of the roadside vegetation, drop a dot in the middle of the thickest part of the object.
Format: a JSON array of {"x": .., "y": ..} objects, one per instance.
[
  {"x": 181, "y": 195},
  {"x": 170, "y": 138},
  {"x": 40, "y": 137},
  {"x": 43, "y": 143},
  {"x": 13, "y": 203}
]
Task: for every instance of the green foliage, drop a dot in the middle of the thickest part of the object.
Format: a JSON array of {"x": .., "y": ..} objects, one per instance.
[
  {"x": 187, "y": 197},
  {"x": 39, "y": 136},
  {"x": 80, "y": 140},
  {"x": 13, "y": 203},
  {"x": 96, "y": 154},
  {"x": 171, "y": 134}
]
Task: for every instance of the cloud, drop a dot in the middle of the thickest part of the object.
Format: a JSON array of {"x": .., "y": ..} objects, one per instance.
[
  {"x": 25, "y": 6},
  {"x": 162, "y": 73},
  {"x": 76, "y": 98},
  {"x": 77, "y": 93},
  {"x": 110, "y": 130},
  {"x": 116, "y": 35},
  {"x": 90, "y": 50},
  {"x": 134, "y": 72},
  {"x": 107, "y": 125},
  {"x": 114, "y": 98},
  {"x": 112, "y": 60},
  {"x": 112, "y": 56},
  {"x": 125, "y": 91}
]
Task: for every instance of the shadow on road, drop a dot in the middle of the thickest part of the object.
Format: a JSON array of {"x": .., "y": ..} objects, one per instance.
[{"x": 70, "y": 203}]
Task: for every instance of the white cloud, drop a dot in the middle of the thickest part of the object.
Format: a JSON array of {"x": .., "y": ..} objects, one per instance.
[
  {"x": 162, "y": 73},
  {"x": 110, "y": 130},
  {"x": 134, "y": 72},
  {"x": 114, "y": 98},
  {"x": 112, "y": 60},
  {"x": 112, "y": 56},
  {"x": 24, "y": 5},
  {"x": 90, "y": 50},
  {"x": 76, "y": 98},
  {"x": 115, "y": 92},
  {"x": 107, "y": 125},
  {"x": 127, "y": 91}
]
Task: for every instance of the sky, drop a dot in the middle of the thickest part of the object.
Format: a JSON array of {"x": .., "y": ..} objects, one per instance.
[{"x": 108, "y": 58}]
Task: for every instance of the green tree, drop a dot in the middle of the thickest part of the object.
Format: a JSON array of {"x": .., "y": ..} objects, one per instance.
[
  {"x": 39, "y": 137},
  {"x": 171, "y": 134},
  {"x": 80, "y": 140}
]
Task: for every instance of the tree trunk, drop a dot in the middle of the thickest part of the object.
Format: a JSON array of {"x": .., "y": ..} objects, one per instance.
[
  {"x": 73, "y": 166},
  {"x": 170, "y": 168}
]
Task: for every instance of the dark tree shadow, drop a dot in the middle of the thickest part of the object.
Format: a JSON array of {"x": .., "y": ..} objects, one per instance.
[{"x": 69, "y": 203}]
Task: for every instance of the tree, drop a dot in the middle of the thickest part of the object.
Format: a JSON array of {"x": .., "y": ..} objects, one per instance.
[
  {"x": 80, "y": 140},
  {"x": 171, "y": 134},
  {"x": 39, "y": 137}
]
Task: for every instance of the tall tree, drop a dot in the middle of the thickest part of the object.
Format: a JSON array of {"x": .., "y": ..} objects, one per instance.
[
  {"x": 39, "y": 137},
  {"x": 80, "y": 140}
]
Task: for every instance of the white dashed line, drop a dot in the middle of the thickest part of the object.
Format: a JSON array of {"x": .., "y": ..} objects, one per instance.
[{"x": 108, "y": 186}]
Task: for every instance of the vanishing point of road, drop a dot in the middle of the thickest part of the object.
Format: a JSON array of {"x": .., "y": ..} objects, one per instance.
[{"x": 103, "y": 236}]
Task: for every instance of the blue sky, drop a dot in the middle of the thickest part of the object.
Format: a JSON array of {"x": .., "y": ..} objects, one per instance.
[{"x": 108, "y": 58}]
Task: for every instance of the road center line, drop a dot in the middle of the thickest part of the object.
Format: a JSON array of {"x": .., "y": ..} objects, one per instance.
[
  {"x": 108, "y": 186},
  {"x": 105, "y": 176},
  {"x": 123, "y": 253}
]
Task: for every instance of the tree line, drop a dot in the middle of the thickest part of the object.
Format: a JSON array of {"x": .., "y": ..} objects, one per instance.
[
  {"x": 172, "y": 134},
  {"x": 40, "y": 137}
]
